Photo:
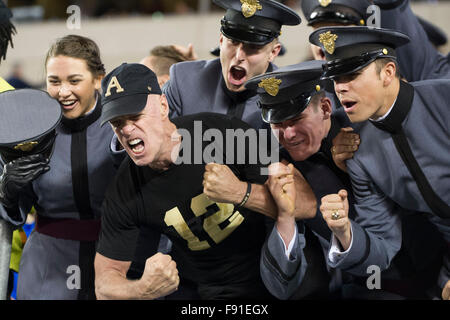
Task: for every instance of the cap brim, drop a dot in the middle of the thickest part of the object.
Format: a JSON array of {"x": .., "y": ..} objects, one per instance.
[
  {"x": 246, "y": 37},
  {"x": 126, "y": 105},
  {"x": 280, "y": 114}
]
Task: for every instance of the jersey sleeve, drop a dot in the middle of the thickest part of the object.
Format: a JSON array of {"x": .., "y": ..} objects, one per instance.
[{"x": 119, "y": 228}]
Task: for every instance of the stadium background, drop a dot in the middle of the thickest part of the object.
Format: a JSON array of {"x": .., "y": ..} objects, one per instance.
[{"x": 126, "y": 30}]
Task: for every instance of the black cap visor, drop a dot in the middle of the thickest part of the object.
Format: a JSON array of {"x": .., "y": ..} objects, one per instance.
[
  {"x": 334, "y": 16},
  {"x": 284, "y": 111},
  {"x": 44, "y": 147},
  {"x": 126, "y": 105},
  {"x": 247, "y": 33},
  {"x": 341, "y": 67}
]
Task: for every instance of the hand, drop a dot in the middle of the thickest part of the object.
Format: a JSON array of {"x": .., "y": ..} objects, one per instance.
[
  {"x": 17, "y": 174},
  {"x": 344, "y": 146},
  {"x": 337, "y": 205},
  {"x": 446, "y": 291},
  {"x": 281, "y": 186},
  {"x": 160, "y": 277},
  {"x": 188, "y": 53},
  {"x": 221, "y": 185}
]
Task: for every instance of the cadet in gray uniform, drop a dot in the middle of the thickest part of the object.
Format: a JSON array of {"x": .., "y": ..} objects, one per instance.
[
  {"x": 418, "y": 60},
  {"x": 248, "y": 45},
  {"x": 403, "y": 160},
  {"x": 293, "y": 101},
  {"x": 58, "y": 258}
]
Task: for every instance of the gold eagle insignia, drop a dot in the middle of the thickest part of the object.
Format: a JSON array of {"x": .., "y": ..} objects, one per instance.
[
  {"x": 328, "y": 40},
  {"x": 325, "y": 3},
  {"x": 249, "y": 7},
  {"x": 26, "y": 146},
  {"x": 271, "y": 85}
]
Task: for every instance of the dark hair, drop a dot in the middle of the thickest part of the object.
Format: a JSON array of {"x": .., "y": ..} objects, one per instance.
[
  {"x": 79, "y": 47},
  {"x": 7, "y": 30},
  {"x": 164, "y": 57},
  {"x": 380, "y": 63},
  {"x": 315, "y": 100}
]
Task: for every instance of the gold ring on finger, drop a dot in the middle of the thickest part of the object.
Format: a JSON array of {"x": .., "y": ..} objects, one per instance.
[{"x": 335, "y": 215}]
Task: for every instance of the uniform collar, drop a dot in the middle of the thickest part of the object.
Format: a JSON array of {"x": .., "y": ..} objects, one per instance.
[
  {"x": 81, "y": 123},
  {"x": 392, "y": 123}
]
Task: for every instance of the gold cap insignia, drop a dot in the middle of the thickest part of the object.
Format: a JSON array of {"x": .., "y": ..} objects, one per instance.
[
  {"x": 385, "y": 51},
  {"x": 362, "y": 22},
  {"x": 149, "y": 88},
  {"x": 328, "y": 39},
  {"x": 318, "y": 88},
  {"x": 249, "y": 7},
  {"x": 271, "y": 85},
  {"x": 25, "y": 146},
  {"x": 325, "y": 3}
]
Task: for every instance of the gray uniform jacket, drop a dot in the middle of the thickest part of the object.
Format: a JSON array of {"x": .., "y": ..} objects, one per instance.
[
  {"x": 419, "y": 59},
  {"x": 383, "y": 185},
  {"x": 50, "y": 268},
  {"x": 198, "y": 86},
  {"x": 285, "y": 277}
]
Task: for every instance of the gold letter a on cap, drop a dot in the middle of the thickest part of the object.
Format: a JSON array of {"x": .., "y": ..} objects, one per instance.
[{"x": 114, "y": 83}]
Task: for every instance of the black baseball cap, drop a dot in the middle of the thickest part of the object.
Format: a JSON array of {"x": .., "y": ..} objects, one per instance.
[
  {"x": 287, "y": 91},
  {"x": 338, "y": 11},
  {"x": 349, "y": 49},
  {"x": 255, "y": 21},
  {"x": 28, "y": 122},
  {"x": 125, "y": 90}
]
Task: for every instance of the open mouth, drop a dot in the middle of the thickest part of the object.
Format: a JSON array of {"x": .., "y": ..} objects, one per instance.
[
  {"x": 136, "y": 145},
  {"x": 237, "y": 75},
  {"x": 68, "y": 105},
  {"x": 348, "y": 105}
]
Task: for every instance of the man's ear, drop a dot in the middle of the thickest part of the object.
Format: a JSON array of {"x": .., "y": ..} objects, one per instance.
[
  {"x": 164, "y": 106},
  {"x": 275, "y": 51},
  {"x": 325, "y": 107},
  {"x": 388, "y": 73}
]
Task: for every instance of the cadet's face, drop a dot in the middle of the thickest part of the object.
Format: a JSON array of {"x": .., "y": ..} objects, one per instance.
[
  {"x": 71, "y": 83},
  {"x": 303, "y": 135},
  {"x": 361, "y": 93},
  {"x": 240, "y": 62},
  {"x": 142, "y": 134}
]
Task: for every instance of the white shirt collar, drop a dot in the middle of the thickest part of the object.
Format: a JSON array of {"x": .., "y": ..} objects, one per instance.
[{"x": 385, "y": 115}]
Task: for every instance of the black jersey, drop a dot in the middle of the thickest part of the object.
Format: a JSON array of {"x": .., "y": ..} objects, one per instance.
[{"x": 217, "y": 245}]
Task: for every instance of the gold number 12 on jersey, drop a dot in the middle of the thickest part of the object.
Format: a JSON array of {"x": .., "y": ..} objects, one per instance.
[{"x": 211, "y": 226}]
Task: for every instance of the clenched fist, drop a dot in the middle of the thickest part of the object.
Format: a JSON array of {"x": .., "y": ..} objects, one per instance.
[
  {"x": 281, "y": 186},
  {"x": 221, "y": 185},
  {"x": 345, "y": 144},
  {"x": 334, "y": 208},
  {"x": 160, "y": 277}
]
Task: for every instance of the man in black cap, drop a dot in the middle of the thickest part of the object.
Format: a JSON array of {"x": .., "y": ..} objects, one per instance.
[
  {"x": 248, "y": 45},
  {"x": 216, "y": 245},
  {"x": 418, "y": 60},
  {"x": 407, "y": 128}
]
